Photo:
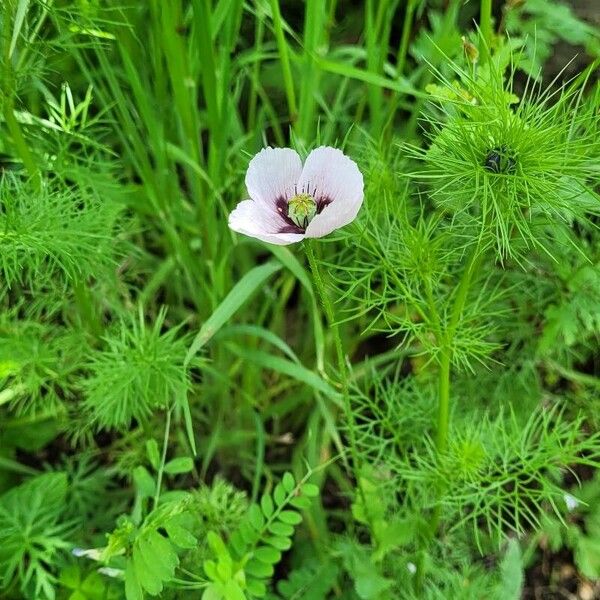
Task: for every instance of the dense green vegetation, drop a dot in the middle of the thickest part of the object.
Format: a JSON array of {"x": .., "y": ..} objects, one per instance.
[{"x": 405, "y": 408}]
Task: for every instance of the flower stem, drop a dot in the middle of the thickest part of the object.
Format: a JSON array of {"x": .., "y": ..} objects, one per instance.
[
  {"x": 339, "y": 350},
  {"x": 328, "y": 309}
]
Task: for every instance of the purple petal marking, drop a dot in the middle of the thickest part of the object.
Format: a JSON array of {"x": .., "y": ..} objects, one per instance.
[{"x": 323, "y": 202}]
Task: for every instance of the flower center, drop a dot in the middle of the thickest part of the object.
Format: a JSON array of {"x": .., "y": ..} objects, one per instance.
[{"x": 301, "y": 209}]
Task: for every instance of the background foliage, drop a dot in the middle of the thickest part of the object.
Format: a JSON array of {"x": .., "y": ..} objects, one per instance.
[{"x": 174, "y": 422}]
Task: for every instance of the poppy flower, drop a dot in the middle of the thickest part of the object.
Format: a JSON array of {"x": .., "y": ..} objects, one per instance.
[{"x": 290, "y": 202}]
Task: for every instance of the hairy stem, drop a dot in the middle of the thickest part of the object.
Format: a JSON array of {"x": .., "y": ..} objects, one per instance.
[{"x": 342, "y": 366}]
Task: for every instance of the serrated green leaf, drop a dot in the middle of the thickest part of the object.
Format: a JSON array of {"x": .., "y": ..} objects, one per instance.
[
  {"x": 288, "y": 481},
  {"x": 266, "y": 503},
  {"x": 291, "y": 517},
  {"x": 184, "y": 464}
]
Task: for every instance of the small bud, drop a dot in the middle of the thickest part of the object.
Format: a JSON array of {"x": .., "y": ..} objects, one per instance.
[
  {"x": 470, "y": 50},
  {"x": 571, "y": 502}
]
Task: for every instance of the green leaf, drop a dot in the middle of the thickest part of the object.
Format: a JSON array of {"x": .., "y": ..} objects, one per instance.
[
  {"x": 268, "y": 555},
  {"x": 236, "y": 541},
  {"x": 180, "y": 536},
  {"x": 279, "y": 494},
  {"x": 587, "y": 556},
  {"x": 216, "y": 544},
  {"x": 22, "y": 8},
  {"x": 210, "y": 568},
  {"x": 291, "y": 369},
  {"x": 281, "y": 529},
  {"x": 291, "y": 517},
  {"x": 153, "y": 454},
  {"x": 232, "y": 591},
  {"x": 288, "y": 481},
  {"x": 162, "y": 551},
  {"x": 266, "y": 503},
  {"x": 155, "y": 562},
  {"x": 257, "y": 588},
  {"x": 300, "y": 502},
  {"x": 237, "y": 297},
  {"x": 133, "y": 589},
  {"x": 310, "y": 489},
  {"x": 255, "y": 517},
  {"x": 213, "y": 592},
  {"x": 511, "y": 569},
  {"x": 144, "y": 482},
  {"x": 279, "y": 542},
  {"x": 258, "y": 568},
  {"x": 176, "y": 466},
  {"x": 248, "y": 533},
  {"x": 146, "y": 573}
]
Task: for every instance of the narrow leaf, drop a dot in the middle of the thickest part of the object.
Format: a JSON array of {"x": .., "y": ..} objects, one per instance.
[{"x": 236, "y": 298}]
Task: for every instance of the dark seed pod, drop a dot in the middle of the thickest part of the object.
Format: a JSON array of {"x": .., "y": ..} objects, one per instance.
[{"x": 500, "y": 160}]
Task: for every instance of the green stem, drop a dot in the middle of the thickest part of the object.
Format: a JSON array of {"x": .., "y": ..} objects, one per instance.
[
  {"x": 447, "y": 355},
  {"x": 19, "y": 141},
  {"x": 445, "y": 371},
  {"x": 8, "y": 109},
  {"x": 328, "y": 308},
  {"x": 485, "y": 25},
  {"x": 163, "y": 459},
  {"x": 339, "y": 350},
  {"x": 406, "y": 29}
]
